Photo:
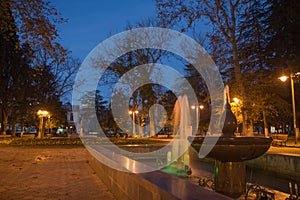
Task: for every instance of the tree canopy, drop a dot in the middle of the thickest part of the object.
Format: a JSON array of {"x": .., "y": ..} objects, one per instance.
[
  {"x": 36, "y": 71},
  {"x": 251, "y": 41}
]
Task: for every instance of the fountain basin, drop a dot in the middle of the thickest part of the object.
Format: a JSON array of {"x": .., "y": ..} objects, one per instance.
[
  {"x": 229, "y": 153},
  {"x": 233, "y": 149}
]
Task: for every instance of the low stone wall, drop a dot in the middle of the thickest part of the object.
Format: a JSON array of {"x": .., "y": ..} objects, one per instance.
[
  {"x": 281, "y": 165},
  {"x": 154, "y": 185},
  {"x": 32, "y": 141},
  {"x": 127, "y": 185}
]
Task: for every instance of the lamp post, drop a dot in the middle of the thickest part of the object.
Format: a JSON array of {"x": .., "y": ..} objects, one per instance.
[
  {"x": 283, "y": 79},
  {"x": 41, "y": 114},
  {"x": 197, "y": 114},
  {"x": 133, "y": 113}
]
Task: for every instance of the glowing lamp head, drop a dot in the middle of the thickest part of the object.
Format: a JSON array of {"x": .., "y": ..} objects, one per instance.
[
  {"x": 42, "y": 113},
  {"x": 236, "y": 100},
  {"x": 283, "y": 78},
  {"x": 130, "y": 112}
]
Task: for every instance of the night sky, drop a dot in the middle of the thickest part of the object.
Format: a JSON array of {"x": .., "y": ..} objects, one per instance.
[{"x": 92, "y": 21}]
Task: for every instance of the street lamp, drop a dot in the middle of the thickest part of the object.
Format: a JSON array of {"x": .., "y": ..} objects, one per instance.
[
  {"x": 201, "y": 107},
  {"x": 236, "y": 100},
  {"x": 283, "y": 79},
  {"x": 133, "y": 113},
  {"x": 236, "y": 106},
  {"x": 41, "y": 114}
]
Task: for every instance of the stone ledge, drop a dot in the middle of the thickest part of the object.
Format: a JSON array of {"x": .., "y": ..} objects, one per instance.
[
  {"x": 155, "y": 185},
  {"x": 281, "y": 165}
]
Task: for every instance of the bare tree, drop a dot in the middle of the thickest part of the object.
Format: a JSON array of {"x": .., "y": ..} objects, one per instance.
[
  {"x": 64, "y": 71},
  {"x": 228, "y": 21}
]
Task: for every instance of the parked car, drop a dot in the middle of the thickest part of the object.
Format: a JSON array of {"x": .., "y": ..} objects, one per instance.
[
  {"x": 121, "y": 133},
  {"x": 165, "y": 131},
  {"x": 109, "y": 133},
  {"x": 18, "y": 132}
]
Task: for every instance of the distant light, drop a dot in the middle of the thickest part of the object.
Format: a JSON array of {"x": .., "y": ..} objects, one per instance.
[
  {"x": 194, "y": 107},
  {"x": 42, "y": 113},
  {"x": 283, "y": 78},
  {"x": 236, "y": 100},
  {"x": 130, "y": 112}
]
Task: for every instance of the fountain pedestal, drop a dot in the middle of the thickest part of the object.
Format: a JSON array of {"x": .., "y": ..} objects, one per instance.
[{"x": 230, "y": 178}]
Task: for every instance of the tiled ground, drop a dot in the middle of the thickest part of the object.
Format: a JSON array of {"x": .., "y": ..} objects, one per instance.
[
  {"x": 62, "y": 174},
  {"x": 48, "y": 173}
]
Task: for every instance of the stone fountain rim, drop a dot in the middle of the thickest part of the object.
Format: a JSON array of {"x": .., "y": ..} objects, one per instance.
[{"x": 234, "y": 140}]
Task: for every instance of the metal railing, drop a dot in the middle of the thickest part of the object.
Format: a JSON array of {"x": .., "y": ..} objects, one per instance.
[
  {"x": 260, "y": 192},
  {"x": 292, "y": 195}
]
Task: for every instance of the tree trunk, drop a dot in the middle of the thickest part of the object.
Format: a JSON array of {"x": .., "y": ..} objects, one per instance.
[
  {"x": 22, "y": 128},
  {"x": 238, "y": 79},
  {"x": 152, "y": 123},
  {"x": 4, "y": 121},
  {"x": 140, "y": 128},
  {"x": 266, "y": 130},
  {"x": 14, "y": 127},
  {"x": 40, "y": 130},
  {"x": 247, "y": 128}
]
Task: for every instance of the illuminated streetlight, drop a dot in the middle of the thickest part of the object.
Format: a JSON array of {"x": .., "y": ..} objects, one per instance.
[
  {"x": 236, "y": 100},
  {"x": 42, "y": 114},
  {"x": 236, "y": 106},
  {"x": 133, "y": 113},
  {"x": 284, "y": 78}
]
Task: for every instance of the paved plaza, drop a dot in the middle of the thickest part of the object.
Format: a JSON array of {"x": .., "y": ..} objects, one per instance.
[
  {"x": 48, "y": 173},
  {"x": 58, "y": 173}
]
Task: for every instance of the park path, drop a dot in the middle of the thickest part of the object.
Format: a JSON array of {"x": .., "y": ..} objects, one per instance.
[{"x": 49, "y": 173}]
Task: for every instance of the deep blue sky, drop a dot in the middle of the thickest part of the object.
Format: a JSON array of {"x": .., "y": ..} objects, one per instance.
[{"x": 92, "y": 21}]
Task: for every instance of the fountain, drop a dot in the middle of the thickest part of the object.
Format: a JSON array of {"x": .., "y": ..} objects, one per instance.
[
  {"x": 229, "y": 153},
  {"x": 178, "y": 158}
]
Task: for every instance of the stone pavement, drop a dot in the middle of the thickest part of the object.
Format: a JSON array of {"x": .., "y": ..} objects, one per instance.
[
  {"x": 49, "y": 173},
  {"x": 58, "y": 173}
]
